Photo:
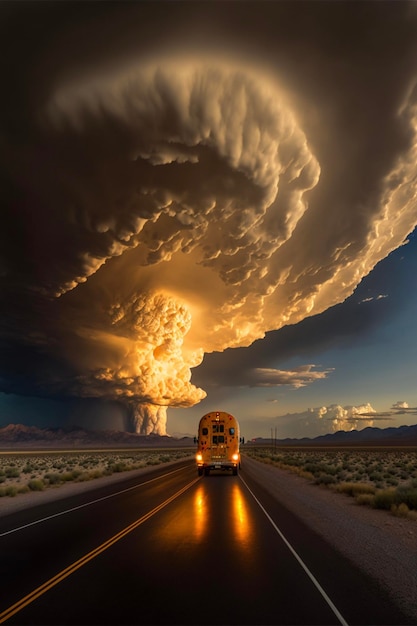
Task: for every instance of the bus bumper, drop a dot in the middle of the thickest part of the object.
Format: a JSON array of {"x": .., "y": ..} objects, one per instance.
[{"x": 218, "y": 465}]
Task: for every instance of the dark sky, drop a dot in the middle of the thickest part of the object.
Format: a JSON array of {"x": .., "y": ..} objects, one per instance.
[{"x": 182, "y": 179}]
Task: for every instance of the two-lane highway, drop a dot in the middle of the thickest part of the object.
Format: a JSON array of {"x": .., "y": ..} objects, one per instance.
[{"x": 172, "y": 548}]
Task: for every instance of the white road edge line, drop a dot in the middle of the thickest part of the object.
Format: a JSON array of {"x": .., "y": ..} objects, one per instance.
[
  {"x": 298, "y": 558},
  {"x": 81, "y": 506}
]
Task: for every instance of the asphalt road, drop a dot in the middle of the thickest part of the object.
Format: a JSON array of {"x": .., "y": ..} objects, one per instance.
[{"x": 171, "y": 548}]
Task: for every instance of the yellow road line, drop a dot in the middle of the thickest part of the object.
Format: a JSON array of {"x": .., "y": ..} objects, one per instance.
[{"x": 49, "y": 584}]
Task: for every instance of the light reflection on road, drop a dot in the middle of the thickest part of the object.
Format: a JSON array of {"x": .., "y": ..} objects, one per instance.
[
  {"x": 200, "y": 514},
  {"x": 209, "y": 514},
  {"x": 241, "y": 520},
  {"x": 187, "y": 523}
]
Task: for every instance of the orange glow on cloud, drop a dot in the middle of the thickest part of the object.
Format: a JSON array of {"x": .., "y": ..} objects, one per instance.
[{"x": 176, "y": 194}]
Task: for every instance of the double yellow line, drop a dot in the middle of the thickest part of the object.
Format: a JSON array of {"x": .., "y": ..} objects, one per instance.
[{"x": 39, "y": 591}]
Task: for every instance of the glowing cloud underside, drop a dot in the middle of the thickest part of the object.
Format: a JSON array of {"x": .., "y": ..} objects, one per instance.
[{"x": 172, "y": 200}]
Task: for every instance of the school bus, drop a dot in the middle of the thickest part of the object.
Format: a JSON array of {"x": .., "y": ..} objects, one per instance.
[{"x": 218, "y": 443}]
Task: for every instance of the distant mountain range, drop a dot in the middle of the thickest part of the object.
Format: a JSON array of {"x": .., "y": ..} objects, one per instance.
[
  {"x": 400, "y": 436},
  {"x": 20, "y": 436}
]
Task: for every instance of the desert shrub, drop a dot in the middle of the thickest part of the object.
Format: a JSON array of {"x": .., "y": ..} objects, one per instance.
[
  {"x": 91, "y": 475},
  {"x": 407, "y": 494},
  {"x": 53, "y": 478},
  {"x": 11, "y": 491},
  {"x": 376, "y": 476},
  {"x": 288, "y": 459},
  {"x": 300, "y": 472},
  {"x": 392, "y": 498},
  {"x": 120, "y": 466},
  {"x": 69, "y": 476},
  {"x": 325, "y": 479},
  {"x": 385, "y": 499},
  {"x": 313, "y": 468},
  {"x": 36, "y": 484},
  {"x": 355, "y": 489},
  {"x": 401, "y": 510},
  {"x": 84, "y": 477},
  {"x": 12, "y": 472},
  {"x": 365, "y": 499},
  {"x": 23, "y": 489}
]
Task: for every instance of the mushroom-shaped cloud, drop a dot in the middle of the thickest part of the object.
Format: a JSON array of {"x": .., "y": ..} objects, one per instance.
[{"x": 161, "y": 212}]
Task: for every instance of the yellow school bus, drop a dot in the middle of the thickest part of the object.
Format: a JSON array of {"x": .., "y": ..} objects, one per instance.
[{"x": 218, "y": 443}]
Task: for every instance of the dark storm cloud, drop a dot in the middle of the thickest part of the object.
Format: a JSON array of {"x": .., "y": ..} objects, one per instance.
[
  {"x": 180, "y": 178},
  {"x": 340, "y": 326}
]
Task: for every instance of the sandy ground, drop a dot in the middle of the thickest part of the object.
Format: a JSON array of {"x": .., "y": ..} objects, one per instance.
[{"x": 381, "y": 544}]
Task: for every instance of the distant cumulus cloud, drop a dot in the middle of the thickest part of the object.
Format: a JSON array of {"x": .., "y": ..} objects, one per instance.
[
  {"x": 162, "y": 208},
  {"x": 321, "y": 420},
  {"x": 298, "y": 377},
  {"x": 403, "y": 408},
  {"x": 400, "y": 405}
]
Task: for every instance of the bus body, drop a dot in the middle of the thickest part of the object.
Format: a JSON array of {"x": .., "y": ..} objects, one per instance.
[{"x": 218, "y": 443}]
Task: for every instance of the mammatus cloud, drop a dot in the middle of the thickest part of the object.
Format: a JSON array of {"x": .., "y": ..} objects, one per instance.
[{"x": 161, "y": 214}]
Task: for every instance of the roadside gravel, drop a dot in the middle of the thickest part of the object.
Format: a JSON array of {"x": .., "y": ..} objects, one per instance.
[{"x": 382, "y": 545}]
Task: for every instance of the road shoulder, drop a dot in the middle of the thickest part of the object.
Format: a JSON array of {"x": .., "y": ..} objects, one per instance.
[{"x": 379, "y": 543}]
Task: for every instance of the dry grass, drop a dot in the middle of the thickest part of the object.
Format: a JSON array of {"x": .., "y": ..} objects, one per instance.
[
  {"x": 37, "y": 471},
  {"x": 381, "y": 478}
]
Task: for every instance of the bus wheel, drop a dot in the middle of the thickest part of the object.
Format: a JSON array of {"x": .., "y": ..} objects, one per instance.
[
  {"x": 235, "y": 471},
  {"x": 200, "y": 471},
  {"x": 206, "y": 471}
]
